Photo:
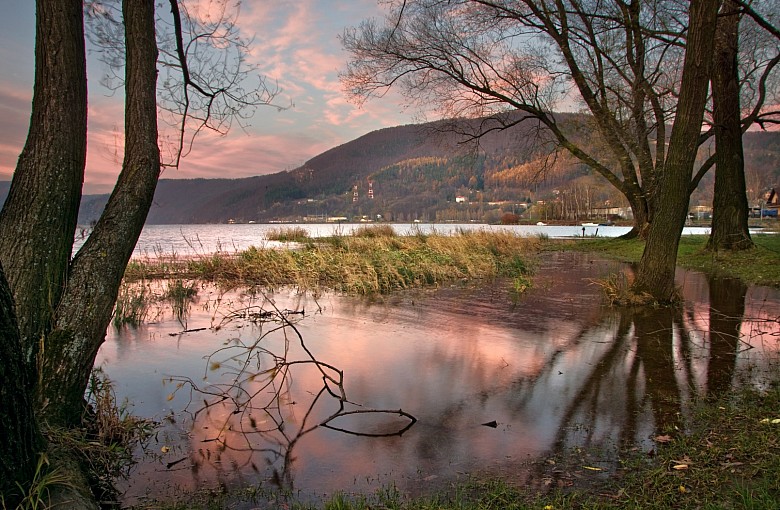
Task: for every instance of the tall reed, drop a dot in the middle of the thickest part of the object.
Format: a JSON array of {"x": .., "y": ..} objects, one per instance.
[{"x": 371, "y": 261}]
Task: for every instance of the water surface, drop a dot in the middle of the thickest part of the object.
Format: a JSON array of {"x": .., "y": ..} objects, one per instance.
[{"x": 548, "y": 371}]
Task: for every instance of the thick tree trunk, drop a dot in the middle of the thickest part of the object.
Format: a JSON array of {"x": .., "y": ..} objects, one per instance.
[
  {"x": 730, "y": 205},
  {"x": 642, "y": 217},
  {"x": 85, "y": 309},
  {"x": 20, "y": 438},
  {"x": 39, "y": 217},
  {"x": 655, "y": 276}
]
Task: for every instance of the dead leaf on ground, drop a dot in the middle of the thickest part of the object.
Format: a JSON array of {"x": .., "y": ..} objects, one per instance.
[
  {"x": 663, "y": 439},
  {"x": 682, "y": 464}
]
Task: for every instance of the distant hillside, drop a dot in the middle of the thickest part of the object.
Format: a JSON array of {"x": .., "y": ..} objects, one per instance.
[
  {"x": 423, "y": 172},
  {"x": 4, "y": 187}
]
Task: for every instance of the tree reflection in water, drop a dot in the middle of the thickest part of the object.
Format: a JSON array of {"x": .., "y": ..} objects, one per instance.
[
  {"x": 251, "y": 412},
  {"x": 652, "y": 369},
  {"x": 727, "y": 308}
]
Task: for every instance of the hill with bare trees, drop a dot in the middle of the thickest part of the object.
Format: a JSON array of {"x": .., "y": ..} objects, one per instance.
[{"x": 427, "y": 172}]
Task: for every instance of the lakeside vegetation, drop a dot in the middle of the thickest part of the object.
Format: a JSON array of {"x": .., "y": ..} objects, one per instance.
[
  {"x": 727, "y": 455},
  {"x": 372, "y": 260}
]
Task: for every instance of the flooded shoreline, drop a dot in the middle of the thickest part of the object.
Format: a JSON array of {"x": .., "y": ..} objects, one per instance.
[{"x": 552, "y": 369}]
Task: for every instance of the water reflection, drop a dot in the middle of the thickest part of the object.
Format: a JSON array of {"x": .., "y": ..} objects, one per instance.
[
  {"x": 727, "y": 308},
  {"x": 553, "y": 369}
]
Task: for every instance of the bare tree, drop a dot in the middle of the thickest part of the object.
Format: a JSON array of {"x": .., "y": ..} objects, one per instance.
[
  {"x": 730, "y": 206},
  {"x": 38, "y": 218},
  {"x": 518, "y": 60},
  {"x": 475, "y": 58},
  {"x": 20, "y": 436},
  {"x": 206, "y": 83},
  {"x": 63, "y": 306},
  {"x": 655, "y": 276}
]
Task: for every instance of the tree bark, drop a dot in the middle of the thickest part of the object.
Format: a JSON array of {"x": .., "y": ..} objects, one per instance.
[
  {"x": 85, "y": 309},
  {"x": 20, "y": 438},
  {"x": 38, "y": 219},
  {"x": 730, "y": 206},
  {"x": 640, "y": 208},
  {"x": 655, "y": 276}
]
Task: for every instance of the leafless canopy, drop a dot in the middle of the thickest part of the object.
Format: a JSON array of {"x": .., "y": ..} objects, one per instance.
[
  {"x": 206, "y": 79},
  {"x": 618, "y": 61}
]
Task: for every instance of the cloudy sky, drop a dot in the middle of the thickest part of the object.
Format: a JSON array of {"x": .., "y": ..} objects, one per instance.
[{"x": 295, "y": 45}]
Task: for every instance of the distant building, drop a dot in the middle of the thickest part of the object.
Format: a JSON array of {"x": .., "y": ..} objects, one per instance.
[
  {"x": 460, "y": 199},
  {"x": 773, "y": 198}
]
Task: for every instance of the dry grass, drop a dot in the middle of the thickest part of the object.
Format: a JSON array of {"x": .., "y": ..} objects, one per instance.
[
  {"x": 383, "y": 230},
  {"x": 370, "y": 261},
  {"x": 288, "y": 234}
]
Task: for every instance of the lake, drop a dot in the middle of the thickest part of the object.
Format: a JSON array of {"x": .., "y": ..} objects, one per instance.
[
  {"x": 205, "y": 239},
  {"x": 487, "y": 381}
]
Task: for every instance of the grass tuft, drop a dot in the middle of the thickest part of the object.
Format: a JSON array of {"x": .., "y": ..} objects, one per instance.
[
  {"x": 180, "y": 295},
  {"x": 38, "y": 495},
  {"x": 288, "y": 234},
  {"x": 374, "y": 231},
  {"x": 132, "y": 305}
]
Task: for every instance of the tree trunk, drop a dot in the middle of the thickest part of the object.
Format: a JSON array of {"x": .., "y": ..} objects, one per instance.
[
  {"x": 96, "y": 272},
  {"x": 20, "y": 438},
  {"x": 38, "y": 219},
  {"x": 642, "y": 216},
  {"x": 655, "y": 276},
  {"x": 730, "y": 206}
]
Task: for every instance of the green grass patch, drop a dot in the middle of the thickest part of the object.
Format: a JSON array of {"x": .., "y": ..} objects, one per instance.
[{"x": 758, "y": 265}]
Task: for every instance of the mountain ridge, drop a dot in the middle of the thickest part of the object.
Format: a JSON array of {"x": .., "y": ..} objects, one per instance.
[{"x": 427, "y": 172}]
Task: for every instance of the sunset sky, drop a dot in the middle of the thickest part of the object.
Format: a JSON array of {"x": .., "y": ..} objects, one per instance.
[{"x": 295, "y": 44}]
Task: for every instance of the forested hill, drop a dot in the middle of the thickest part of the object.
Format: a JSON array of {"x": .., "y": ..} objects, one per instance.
[{"x": 421, "y": 172}]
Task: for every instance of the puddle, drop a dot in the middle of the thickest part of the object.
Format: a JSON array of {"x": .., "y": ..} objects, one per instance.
[{"x": 547, "y": 371}]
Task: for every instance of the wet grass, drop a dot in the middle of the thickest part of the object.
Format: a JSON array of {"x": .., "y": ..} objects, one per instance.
[
  {"x": 288, "y": 234},
  {"x": 132, "y": 305},
  {"x": 729, "y": 458},
  {"x": 757, "y": 266},
  {"x": 367, "y": 262}
]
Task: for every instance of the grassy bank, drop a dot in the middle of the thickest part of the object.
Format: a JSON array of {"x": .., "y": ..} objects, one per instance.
[
  {"x": 758, "y": 266},
  {"x": 371, "y": 261}
]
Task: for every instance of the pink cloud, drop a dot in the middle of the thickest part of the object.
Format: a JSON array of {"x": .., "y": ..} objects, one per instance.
[
  {"x": 240, "y": 155},
  {"x": 294, "y": 43}
]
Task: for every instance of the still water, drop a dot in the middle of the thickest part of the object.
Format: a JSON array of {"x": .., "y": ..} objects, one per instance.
[
  {"x": 205, "y": 239},
  {"x": 493, "y": 380}
]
